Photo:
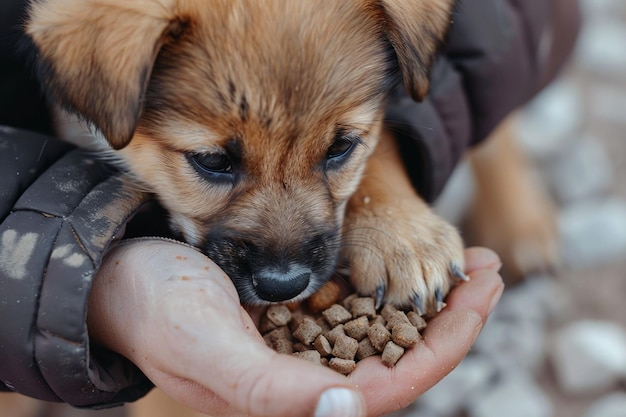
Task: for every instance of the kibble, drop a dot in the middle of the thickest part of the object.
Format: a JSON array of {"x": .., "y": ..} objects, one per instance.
[
  {"x": 379, "y": 336},
  {"x": 339, "y": 333},
  {"x": 391, "y": 354},
  {"x": 399, "y": 317},
  {"x": 387, "y": 311},
  {"x": 363, "y": 306},
  {"x": 309, "y": 355},
  {"x": 343, "y": 366},
  {"x": 416, "y": 320},
  {"x": 322, "y": 345},
  {"x": 357, "y": 328},
  {"x": 307, "y": 331},
  {"x": 336, "y": 314},
  {"x": 345, "y": 347},
  {"x": 405, "y": 335},
  {"x": 365, "y": 349},
  {"x": 278, "y": 314},
  {"x": 335, "y": 333}
]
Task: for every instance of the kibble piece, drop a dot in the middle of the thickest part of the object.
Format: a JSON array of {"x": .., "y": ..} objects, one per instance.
[
  {"x": 265, "y": 325},
  {"x": 387, "y": 311},
  {"x": 379, "y": 336},
  {"x": 378, "y": 319},
  {"x": 278, "y": 333},
  {"x": 399, "y": 317},
  {"x": 309, "y": 355},
  {"x": 324, "y": 297},
  {"x": 296, "y": 318},
  {"x": 321, "y": 321},
  {"x": 343, "y": 366},
  {"x": 283, "y": 346},
  {"x": 307, "y": 331},
  {"x": 278, "y": 314},
  {"x": 365, "y": 349},
  {"x": 416, "y": 320},
  {"x": 336, "y": 314},
  {"x": 391, "y": 354},
  {"x": 357, "y": 328},
  {"x": 335, "y": 333},
  {"x": 345, "y": 347},
  {"x": 363, "y": 306},
  {"x": 347, "y": 302},
  {"x": 322, "y": 345},
  {"x": 405, "y": 335},
  {"x": 300, "y": 347}
]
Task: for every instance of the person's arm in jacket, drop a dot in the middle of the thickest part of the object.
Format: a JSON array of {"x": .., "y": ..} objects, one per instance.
[{"x": 59, "y": 210}]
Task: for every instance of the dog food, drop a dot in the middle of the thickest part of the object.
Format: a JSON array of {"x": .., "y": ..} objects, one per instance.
[{"x": 339, "y": 333}]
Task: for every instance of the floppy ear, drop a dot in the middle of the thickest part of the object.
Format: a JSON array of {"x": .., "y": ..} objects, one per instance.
[
  {"x": 416, "y": 30},
  {"x": 96, "y": 56}
]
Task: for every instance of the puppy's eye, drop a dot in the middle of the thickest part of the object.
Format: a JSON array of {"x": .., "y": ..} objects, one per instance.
[
  {"x": 212, "y": 163},
  {"x": 342, "y": 146}
]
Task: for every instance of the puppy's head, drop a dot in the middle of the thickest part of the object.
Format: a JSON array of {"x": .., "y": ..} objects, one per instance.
[{"x": 251, "y": 120}]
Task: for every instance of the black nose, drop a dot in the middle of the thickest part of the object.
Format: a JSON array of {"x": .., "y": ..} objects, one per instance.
[{"x": 281, "y": 286}]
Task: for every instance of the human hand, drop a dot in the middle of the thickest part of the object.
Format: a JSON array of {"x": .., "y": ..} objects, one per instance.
[{"x": 177, "y": 316}]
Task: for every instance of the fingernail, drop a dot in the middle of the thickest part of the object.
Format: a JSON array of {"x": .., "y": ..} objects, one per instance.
[{"x": 340, "y": 402}]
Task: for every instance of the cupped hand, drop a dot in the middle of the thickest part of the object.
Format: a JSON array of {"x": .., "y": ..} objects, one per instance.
[{"x": 176, "y": 315}]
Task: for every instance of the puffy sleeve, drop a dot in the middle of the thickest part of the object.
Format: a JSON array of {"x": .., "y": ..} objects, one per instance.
[
  {"x": 499, "y": 54},
  {"x": 59, "y": 211}
]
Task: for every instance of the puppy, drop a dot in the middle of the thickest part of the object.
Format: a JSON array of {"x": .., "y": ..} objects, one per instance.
[{"x": 259, "y": 127}]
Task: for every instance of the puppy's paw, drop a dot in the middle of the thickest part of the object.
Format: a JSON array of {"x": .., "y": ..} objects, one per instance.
[{"x": 404, "y": 256}]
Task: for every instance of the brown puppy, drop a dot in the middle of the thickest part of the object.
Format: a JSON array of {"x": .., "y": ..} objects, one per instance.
[{"x": 258, "y": 125}]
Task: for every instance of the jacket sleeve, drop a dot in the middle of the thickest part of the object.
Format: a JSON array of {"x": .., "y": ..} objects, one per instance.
[
  {"x": 59, "y": 211},
  {"x": 500, "y": 53}
]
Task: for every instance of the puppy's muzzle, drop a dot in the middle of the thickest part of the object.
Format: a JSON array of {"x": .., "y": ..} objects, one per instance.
[{"x": 264, "y": 270}]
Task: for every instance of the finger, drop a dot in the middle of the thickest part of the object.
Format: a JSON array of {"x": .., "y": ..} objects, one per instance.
[
  {"x": 481, "y": 258},
  {"x": 447, "y": 339}
]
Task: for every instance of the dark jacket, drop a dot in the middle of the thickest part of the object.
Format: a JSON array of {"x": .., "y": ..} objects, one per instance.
[{"x": 60, "y": 210}]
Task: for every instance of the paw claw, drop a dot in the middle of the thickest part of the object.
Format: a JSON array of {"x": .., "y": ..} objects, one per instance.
[
  {"x": 379, "y": 296},
  {"x": 418, "y": 305},
  {"x": 457, "y": 272},
  {"x": 439, "y": 297}
]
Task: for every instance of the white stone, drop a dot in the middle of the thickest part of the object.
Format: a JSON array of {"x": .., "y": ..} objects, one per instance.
[
  {"x": 581, "y": 171},
  {"x": 550, "y": 121},
  {"x": 593, "y": 232},
  {"x": 450, "y": 395},
  {"x": 607, "y": 104},
  {"x": 600, "y": 48},
  {"x": 514, "y": 395},
  {"x": 588, "y": 356},
  {"x": 513, "y": 344},
  {"x": 612, "y": 405},
  {"x": 602, "y": 8}
]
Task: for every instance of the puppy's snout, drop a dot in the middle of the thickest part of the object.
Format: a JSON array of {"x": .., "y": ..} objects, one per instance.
[{"x": 275, "y": 286}]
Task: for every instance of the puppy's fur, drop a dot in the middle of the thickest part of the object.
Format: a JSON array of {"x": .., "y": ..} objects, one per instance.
[{"x": 258, "y": 125}]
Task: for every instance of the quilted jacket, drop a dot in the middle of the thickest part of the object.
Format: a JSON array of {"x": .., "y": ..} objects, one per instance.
[{"x": 60, "y": 209}]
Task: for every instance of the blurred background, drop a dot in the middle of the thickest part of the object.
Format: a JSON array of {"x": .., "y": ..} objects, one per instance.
[{"x": 556, "y": 344}]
